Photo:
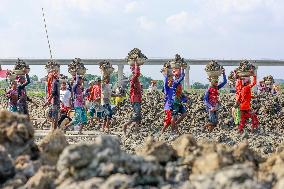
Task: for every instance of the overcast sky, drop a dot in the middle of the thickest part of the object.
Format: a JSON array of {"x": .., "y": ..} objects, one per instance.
[{"x": 213, "y": 29}]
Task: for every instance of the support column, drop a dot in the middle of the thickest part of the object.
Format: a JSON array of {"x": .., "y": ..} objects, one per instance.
[
  {"x": 255, "y": 87},
  {"x": 186, "y": 78},
  {"x": 120, "y": 74}
]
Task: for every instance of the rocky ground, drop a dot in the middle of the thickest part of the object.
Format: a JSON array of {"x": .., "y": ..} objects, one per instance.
[
  {"x": 182, "y": 163},
  {"x": 144, "y": 158}
]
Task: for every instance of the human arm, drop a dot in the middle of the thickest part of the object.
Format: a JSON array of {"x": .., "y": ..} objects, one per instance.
[
  {"x": 180, "y": 79},
  {"x": 253, "y": 82},
  {"x": 221, "y": 85},
  {"x": 27, "y": 82}
]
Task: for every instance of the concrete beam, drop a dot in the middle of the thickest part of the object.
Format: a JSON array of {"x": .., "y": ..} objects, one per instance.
[{"x": 148, "y": 62}]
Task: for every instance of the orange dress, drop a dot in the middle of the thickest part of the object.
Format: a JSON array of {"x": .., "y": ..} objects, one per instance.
[{"x": 245, "y": 95}]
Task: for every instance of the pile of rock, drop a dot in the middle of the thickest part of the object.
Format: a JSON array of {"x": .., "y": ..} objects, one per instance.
[
  {"x": 52, "y": 65},
  {"x": 76, "y": 67},
  {"x": 136, "y": 55},
  {"x": 106, "y": 69},
  {"x": 183, "y": 162}
]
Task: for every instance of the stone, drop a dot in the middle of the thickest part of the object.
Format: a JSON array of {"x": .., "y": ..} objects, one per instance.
[
  {"x": 184, "y": 145},
  {"x": 206, "y": 163},
  {"x": 43, "y": 179},
  {"x": 160, "y": 150},
  {"x": 176, "y": 173},
  {"x": 7, "y": 169},
  {"x": 118, "y": 181},
  {"x": 17, "y": 133},
  {"x": 51, "y": 146},
  {"x": 24, "y": 165}
]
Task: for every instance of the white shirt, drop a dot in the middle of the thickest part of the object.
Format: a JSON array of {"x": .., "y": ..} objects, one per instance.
[
  {"x": 152, "y": 88},
  {"x": 106, "y": 94},
  {"x": 65, "y": 97}
]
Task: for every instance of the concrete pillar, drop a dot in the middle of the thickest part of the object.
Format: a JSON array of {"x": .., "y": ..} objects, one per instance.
[
  {"x": 120, "y": 74},
  {"x": 186, "y": 78},
  {"x": 255, "y": 87}
]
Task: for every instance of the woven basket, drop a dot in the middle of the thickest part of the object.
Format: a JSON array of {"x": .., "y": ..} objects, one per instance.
[
  {"x": 81, "y": 71},
  {"x": 53, "y": 68},
  {"x": 140, "y": 61},
  {"x": 19, "y": 72},
  {"x": 214, "y": 73},
  {"x": 244, "y": 74},
  {"x": 268, "y": 82},
  {"x": 12, "y": 77}
]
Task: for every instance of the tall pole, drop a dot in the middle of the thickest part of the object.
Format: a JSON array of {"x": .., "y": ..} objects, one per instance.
[{"x": 43, "y": 16}]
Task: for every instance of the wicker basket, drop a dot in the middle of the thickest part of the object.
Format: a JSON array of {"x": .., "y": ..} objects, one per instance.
[
  {"x": 140, "y": 61},
  {"x": 12, "y": 77},
  {"x": 81, "y": 71},
  {"x": 19, "y": 72},
  {"x": 214, "y": 73},
  {"x": 107, "y": 71},
  {"x": 53, "y": 68},
  {"x": 245, "y": 74},
  {"x": 167, "y": 71},
  {"x": 268, "y": 82}
]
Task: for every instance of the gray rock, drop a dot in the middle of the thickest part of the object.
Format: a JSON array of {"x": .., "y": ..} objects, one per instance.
[{"x": 7, "y": 169}]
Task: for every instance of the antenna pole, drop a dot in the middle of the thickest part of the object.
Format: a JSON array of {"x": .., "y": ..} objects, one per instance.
[{"x": 50, "y": 53}]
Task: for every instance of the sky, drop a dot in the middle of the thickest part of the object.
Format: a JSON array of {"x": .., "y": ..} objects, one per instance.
[{"x": 206, "y": 29}]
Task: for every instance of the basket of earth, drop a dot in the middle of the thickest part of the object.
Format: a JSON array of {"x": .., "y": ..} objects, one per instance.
[
  {"x": 167, "y": 69},
  {"x": 268, "y": 80},
  {"x": 106, "y": 68},
  {"x": 52, "y": 66},
  {"x": 232, "y": 78},
  {"x": 21, "y": 68},
  {"x": 246, "y": 69},
  {"x": 76, "y": 67},
  {"x": 11, "y": 75},
  {"x": 213, "y": 69},
  {"x": 135, "y": 55},
  {"x": 178, "y": 62}
]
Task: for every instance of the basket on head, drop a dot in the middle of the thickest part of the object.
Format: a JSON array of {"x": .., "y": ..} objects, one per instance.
[
  {"x": 52, "y": 66},
  {"x": 214, "y": 73},
  {"x": 213, "y": 69},
  {"x": 21, "y": 68},
  {"x": 135, "y": 55},
  {"x": 178, "y": 62},
  {"x": 81, "y": 71},
  {"x": 212, "y": 78},
  {"x": 106, "y": 68},
  {"x": 19, "y": 72},
  {"x": 76, "y": 67},
  {"x": 268, "y": 82},
  {"x": 244, "y": 74}
]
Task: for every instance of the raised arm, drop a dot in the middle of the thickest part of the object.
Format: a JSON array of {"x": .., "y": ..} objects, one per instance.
[
  {"x": 253, "y": 82},
  {"x": 27, "y": 82},
  {"x": 136, "y": 71},
  {"x": 221, "y": 85},
  {"x": 180, "y": 79}
]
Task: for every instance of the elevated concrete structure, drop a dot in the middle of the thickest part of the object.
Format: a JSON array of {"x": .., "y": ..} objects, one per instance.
[{"x": 121, "y": 62}]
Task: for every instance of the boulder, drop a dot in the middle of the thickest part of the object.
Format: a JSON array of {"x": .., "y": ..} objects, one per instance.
[
  {"x": 243, "y": 153},
  {"x": 206, "y": 163},
  {"x": 16, "y": 135},
  {"x": 104, "y": 158},
  {"x": 43, "y": 179},
  {"x": 51, "y": 146},
  {"x": 24, "y": 165},
  {"x": 184, "y": 145},
  {"x": 160, "y": 150},
  {"x": 118, "y": 181},
  {"x": 7, "y": 169}
]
